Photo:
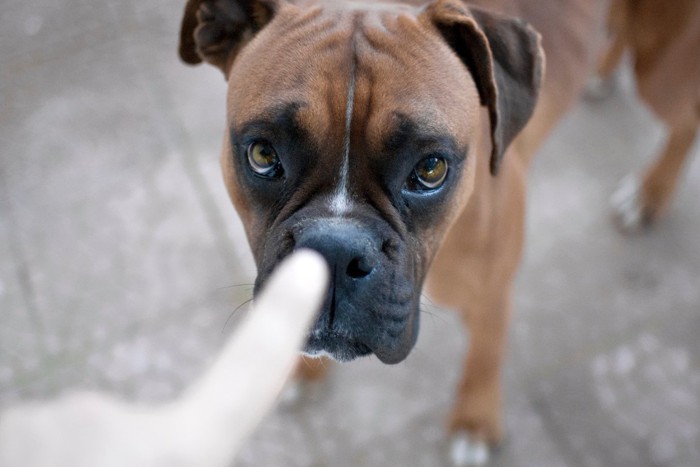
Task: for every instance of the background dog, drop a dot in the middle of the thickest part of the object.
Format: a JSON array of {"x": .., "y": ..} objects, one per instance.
[{"x": 662, "y": 41}]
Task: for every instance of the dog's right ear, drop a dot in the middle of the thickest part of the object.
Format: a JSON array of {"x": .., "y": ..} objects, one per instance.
[
  {"x": 505, "y": 58},
  {"x": 215, "y": 30}
]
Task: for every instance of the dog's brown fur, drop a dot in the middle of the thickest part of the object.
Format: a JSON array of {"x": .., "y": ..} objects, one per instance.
[{"x": 474, "y": 267}]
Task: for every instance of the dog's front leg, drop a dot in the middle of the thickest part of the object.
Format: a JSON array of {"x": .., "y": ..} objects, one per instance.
[
  {"x": 475, "y": 421},
  {"x": 473, "y": 273}
]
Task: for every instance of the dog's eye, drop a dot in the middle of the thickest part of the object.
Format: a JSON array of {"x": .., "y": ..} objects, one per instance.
[
  {"x": 428, "y": 175},
  {"x": 263, "y": 159}
]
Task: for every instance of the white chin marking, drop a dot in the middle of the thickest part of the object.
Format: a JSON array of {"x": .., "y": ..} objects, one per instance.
[
  {"x": 319, "y": 354},
  {"x": 465, "y": 451}
]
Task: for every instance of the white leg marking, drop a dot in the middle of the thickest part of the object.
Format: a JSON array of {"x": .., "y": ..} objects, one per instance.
[
  {"x": 626, "y": 205},
  {"x": 465, "y": 451}
]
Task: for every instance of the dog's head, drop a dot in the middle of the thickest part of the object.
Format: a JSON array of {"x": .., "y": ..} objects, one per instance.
[{"x": 352, "y": 130}]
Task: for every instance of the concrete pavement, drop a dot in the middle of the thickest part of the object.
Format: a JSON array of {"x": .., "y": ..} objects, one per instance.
[{"x": 121, "y": 261}]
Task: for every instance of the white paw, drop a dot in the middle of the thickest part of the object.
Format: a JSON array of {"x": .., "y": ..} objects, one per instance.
[
  {"x": 465, "y": 451},
  {"x": 626, "y": 204}
]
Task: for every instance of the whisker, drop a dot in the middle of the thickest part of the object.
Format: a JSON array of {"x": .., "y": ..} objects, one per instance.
[
  {"x": 433, "y": 315},
  {"x": 307, "y": 360},
  {"x": 424, "y": 297},
  {"x": 215, "y": 292},
  {"x": 244, "y": 303},
  {"x": 428, "y": 306}
]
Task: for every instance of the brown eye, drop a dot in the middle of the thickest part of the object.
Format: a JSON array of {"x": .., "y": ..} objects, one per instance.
[
  {"x": 263, "y": 159},
  {"x": 429, "y": 174}
]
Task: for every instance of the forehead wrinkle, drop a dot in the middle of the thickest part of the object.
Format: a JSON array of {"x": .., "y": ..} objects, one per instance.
[
  {"x": 279, "y": 116},
  {"x": 275, "y": 65},
  {"x": 404, "y": 130},
  {"x": 385, "y": 107},
  {"x": 329, "y": 84},
  {"x": 388, "y": 47}
]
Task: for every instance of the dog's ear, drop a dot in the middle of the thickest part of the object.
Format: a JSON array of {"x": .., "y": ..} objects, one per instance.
[
  {"x": 215, "y": 30},
  {"x": 506, "y": 60}
]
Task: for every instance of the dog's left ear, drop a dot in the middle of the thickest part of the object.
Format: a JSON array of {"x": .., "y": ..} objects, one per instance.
[
  {"x": 506, "y": 60},
  {"x": 216, "y": 30}
]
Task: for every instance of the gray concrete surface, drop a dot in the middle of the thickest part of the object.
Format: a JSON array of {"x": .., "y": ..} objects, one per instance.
[{"x": 121, "y": 262}]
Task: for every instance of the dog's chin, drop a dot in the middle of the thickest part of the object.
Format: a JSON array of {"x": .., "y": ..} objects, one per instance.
[
  {"x": 335, "y": 347},
  {"x": 343, "y": 349}
]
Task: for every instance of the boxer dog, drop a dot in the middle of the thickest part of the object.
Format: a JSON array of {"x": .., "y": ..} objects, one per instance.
[{"x": 393, "y": 137}]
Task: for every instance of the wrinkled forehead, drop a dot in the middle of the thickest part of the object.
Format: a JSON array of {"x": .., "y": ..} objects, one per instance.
[
  {"x": 381, "y": 61},
  {"x": 303, "y": 57}
]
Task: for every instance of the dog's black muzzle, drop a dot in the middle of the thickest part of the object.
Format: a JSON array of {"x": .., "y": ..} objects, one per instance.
[{"x": 372, "y": 301}]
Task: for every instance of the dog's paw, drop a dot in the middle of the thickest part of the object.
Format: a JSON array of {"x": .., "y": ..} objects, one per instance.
[
  {"x": 627, "y": 205},
  {"x": 466, "y": 451}
]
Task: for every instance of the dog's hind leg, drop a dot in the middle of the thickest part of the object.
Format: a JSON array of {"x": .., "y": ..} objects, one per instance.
[
  {"x": 639, "y": 201},
  {"x": 661, "y": 178},
  {"x": 602, "y": 84}
]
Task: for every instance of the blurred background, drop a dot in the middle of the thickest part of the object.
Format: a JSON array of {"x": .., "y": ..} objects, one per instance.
[{"x": 122, "y": 264}]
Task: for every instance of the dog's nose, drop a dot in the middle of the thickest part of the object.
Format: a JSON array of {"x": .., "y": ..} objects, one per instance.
[{"x": 350, "y": 250}]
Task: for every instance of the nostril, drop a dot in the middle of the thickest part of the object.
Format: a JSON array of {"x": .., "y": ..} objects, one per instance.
[{"x": 357, "y": 269}]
